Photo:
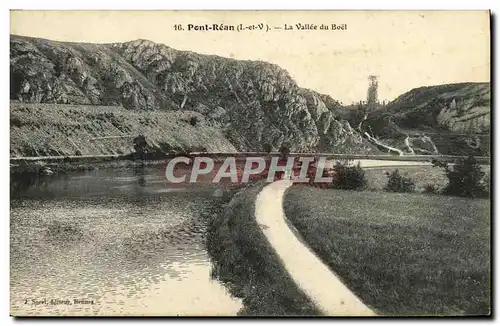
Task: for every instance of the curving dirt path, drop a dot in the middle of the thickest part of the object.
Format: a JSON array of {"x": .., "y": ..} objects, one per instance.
[{"x": 319, "y": 283}]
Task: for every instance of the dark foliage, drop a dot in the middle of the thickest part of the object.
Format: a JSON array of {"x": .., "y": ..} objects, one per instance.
[
  {"x": 267, "y": 148},
  {"x": 284, "y": 150},
  {"x": 16, "y": 122},
  {"x": 64, "y": 231},
  {"x": 140, "y": 145},
  {"x": 399, "y": 183},
  {"x": 431, "y": 189},
  {"x": 466, "y": 179},
  {"x": 349, "y": 177}
]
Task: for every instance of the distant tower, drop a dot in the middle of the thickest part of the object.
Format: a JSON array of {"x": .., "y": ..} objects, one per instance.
[{"x": 372, "y": 97}]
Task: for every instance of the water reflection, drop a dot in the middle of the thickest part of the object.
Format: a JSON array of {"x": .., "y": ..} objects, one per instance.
[
  {"x": 140, "y": 171},
  {"x": 118, "y": 238}
]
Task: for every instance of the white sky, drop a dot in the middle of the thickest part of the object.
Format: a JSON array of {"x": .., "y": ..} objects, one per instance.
[{"x": 405, "y": 49}]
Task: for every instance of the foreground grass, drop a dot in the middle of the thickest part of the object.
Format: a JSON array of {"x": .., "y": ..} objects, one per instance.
[
  {"x": 402, "y": 254},
  {"x": 245, "y": 262}
]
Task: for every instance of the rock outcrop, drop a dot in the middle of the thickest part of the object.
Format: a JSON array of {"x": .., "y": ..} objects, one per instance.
[
  {"x": 253, "y": 103},
  {"x": 449, "y": 119}
]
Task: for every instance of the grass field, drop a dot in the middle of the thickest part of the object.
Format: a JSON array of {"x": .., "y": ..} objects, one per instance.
[
  {"x": 402, "y": 254},
  {"x": 421, "y": 175}
]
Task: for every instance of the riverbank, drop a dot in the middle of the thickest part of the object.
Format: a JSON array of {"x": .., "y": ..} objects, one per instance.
[
  {"x": 245, "y": 261},
  {"x": 26, "y": 174},
  {"x": 403, "y": 254},
  {"x": 48, "y": 166},
  {"x": 69, "y": 163}
]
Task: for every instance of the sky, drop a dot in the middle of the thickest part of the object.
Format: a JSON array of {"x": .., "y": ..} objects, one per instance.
[{"x": 405, "y": 49}]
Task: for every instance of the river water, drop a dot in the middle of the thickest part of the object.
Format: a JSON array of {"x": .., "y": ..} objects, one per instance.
[
  {"x": 123, "y": 242},
  {"x": 119, "y": 241}
]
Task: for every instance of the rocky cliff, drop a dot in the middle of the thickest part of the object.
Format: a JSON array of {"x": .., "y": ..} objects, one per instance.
[{"x": 252, "y": 103}]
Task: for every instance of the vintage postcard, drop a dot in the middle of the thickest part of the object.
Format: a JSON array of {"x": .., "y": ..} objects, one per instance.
[{"x": 250, "y": 163}]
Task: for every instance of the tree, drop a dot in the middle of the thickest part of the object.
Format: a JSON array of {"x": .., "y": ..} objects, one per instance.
[
  {"x": 372, "y": 96},
  {"x": 360, "y": 116},
  {"x": 349, "y": 177},
  {"x": 284, "y": 150},
  {"x": 465, "y": 179},
  {"x": 267, "y": 148},
  {"x": 399, "y": 183},
  {"x": 140, "y": 146}
]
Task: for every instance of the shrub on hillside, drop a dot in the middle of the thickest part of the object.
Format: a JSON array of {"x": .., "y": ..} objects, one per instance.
[
  {"x": 487, "y": 182},
  {"x": 284, "y": 150},
  {"x": 140, "y": 146},
  {"x": 466, "y": 179},
  {"x": 349, "y": 177},
  {"x": 399, "y": 183},
  {"x": 66, "y": 231}
]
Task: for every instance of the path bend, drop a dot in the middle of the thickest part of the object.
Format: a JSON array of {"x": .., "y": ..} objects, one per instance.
[{"x": 313, "y": 277}]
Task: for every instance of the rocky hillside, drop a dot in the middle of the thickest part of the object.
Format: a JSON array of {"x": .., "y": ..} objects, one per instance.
[
  {"x": 450, "y": 119},
  {"x": 251, "y": 103}
]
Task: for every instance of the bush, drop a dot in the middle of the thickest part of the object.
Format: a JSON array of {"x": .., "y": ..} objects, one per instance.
[
  {"x": 466, "y": 179},
  {"x": 65, "y": 231},
  {"x": 140, "y": 145},
  {"x": 267, "y": 148},
  {"x": 349, "y": 177},
  {"x": 399, "y": 183},
  {"x": 431, "y": 189},
  {"x": 486, "y": 182},
  {"x": 284, "y": 150},
  {"x": 16, "y": 122}
]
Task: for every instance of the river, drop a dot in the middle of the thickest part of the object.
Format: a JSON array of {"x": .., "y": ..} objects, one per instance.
[{"x": 122, "y": 241}]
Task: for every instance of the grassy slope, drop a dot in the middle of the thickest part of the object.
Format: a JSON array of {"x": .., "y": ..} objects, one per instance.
[
  {"x": 51, "y": 129},
  {"x": 403, "y": 254},
  {"x": 423, "y": 109},
  {"x": 419, "y": 108}
]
